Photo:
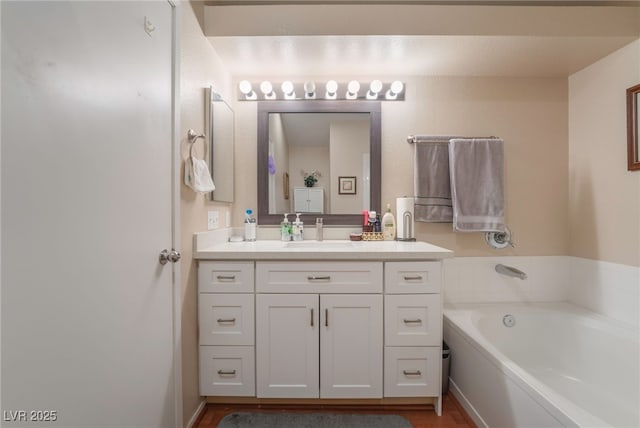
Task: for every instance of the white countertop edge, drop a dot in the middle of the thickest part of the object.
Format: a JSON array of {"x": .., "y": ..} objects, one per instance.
[{"x": 324, "y": 250}]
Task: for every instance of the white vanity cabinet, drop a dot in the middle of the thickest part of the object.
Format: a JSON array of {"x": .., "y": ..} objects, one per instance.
[
  {"x": 413, "y": 329},
  {"x": 317, "y": 340},
  {"x": 226, "y": 326},
  {"x": 308, "y": 200},
  {"x": 283, "y": 323}
]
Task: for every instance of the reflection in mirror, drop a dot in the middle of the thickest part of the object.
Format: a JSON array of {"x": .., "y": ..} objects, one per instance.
[
  {"x": 326, "y": 146},
  {"x": 220, "y": 132},
  {"x": 337, "y": 143}
]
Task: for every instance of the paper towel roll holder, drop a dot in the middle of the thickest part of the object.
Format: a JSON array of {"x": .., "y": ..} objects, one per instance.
[{"x": 407, "y": 228}]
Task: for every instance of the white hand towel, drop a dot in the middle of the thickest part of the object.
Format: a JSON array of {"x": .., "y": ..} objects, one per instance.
[{"x": 197, "y": 176}]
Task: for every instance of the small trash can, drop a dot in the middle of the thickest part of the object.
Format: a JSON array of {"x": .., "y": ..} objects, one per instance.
[{"x": 446, "y": 360}]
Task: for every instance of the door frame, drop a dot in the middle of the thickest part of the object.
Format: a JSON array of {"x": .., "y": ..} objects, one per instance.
[{"x": 176, "y": 300}]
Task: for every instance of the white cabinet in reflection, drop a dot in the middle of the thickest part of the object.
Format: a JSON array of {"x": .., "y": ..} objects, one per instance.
[{"x": 308, "y": 200}]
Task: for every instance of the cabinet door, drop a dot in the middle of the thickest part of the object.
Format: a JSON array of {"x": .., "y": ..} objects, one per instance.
[
  {"x": 316, "y": 200},
  {"x": 351, "y": 344},
  {"x": 287, "y": 345},
  {"x": 301, "y": 199}
]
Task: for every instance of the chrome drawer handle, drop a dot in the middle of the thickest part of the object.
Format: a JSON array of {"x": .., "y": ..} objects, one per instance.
[
  {"x": 226, "y": 320},
  {"x": 319, "y": 278},
  {"x": 226, "y": 277},
  {"x": 227, "y": 372},
  {"x": 413, "y": 278},
  {"x": 412, "y": 372},
  {"x": 416, "y": 321}
]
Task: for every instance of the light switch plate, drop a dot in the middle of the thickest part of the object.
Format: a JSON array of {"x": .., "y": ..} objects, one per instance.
[{"x": 213, "y": 220}]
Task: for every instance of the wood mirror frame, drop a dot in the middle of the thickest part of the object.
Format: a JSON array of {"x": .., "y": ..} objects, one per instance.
[
  {"x": 266, "y": 107},
  {"x": 633, "y": 155}
]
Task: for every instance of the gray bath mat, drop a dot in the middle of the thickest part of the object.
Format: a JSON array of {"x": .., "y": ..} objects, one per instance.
[{"x": 311, "y": 420}]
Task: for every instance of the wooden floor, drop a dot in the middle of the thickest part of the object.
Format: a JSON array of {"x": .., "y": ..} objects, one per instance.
[{"x": 453, "y": 416}]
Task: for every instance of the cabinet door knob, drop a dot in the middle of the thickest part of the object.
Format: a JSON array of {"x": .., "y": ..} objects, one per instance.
[
  {"x": 326, "y": 317},
  {"x": 226, "y": 320},
  {"x": 413, "y": 278},
  {"x": 412, "y": 321},
  {"x": 226, "y": 372},
  {"x": 412, "y": 372},
  {"x": 226, "y": 277},
  {"x": 311, "y": 317}
]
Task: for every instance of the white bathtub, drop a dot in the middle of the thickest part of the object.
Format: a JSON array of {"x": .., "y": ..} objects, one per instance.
[{"x": 559, "y": 365}]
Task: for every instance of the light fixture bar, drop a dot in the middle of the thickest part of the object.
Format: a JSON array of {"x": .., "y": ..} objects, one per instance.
[{"x": 332, "y": 90}]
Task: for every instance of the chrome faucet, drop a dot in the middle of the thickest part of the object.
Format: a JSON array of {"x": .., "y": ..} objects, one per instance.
[
  {"x": 510, "y": 271},
  {"x": 319, "y": 236}
]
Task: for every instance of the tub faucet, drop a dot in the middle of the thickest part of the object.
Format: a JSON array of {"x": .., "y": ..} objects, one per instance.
[{"x": 510, "y": 271}]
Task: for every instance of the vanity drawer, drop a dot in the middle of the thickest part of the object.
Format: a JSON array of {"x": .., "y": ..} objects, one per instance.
[
  {"x": 227, "y": 370},
  {"x": 226, "y": 277},
  {"x": 412, "y": 320},
  {"x": 412, "y": 371},
  {"x": 319, "y": 277},
  {"x": 412, "y": 277},
  {"x": 226, "y": 319}
]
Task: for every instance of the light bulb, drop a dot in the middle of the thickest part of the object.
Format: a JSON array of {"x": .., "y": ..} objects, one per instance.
[
  {"x": 288, "y": 90},
  {"x": 374, "y": 88},
  {"x": 394, "y": 90},
  {"x": 267, "y": 89},
  {"x": 332, "y": 89},
  {"x": 309, "y": 90},
  {"x": 352, "y": 90},
  {"x": 246, "y": 89}
]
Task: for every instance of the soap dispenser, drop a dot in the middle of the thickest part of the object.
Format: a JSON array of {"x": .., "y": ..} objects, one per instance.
[
  {"x": 285, "y": 229},
  {"x": 298, "y": 228},
  {"x": 389, "y": 225}
]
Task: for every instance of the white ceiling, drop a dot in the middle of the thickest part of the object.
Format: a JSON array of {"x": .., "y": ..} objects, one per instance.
[{"x": 286, "y": 40}]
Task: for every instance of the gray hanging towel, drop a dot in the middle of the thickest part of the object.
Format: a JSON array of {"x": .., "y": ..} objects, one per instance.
[
  {"x": 476, "y": 167},
  {"x": 432, "y": 190}
]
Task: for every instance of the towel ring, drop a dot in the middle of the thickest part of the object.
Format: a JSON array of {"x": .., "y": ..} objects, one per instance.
[{"x": 193, "y": 137}]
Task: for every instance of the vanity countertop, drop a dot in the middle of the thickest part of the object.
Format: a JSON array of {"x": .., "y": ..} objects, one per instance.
[{"x": 323, "y": 250}]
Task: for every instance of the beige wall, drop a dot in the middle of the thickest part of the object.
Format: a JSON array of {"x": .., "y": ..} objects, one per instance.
[
  {"x": 529, "y": 113},
  {"x": 199, "y": 67},
  {"x": 604, "y": 201},
  {"x": 349, "y": 141}
]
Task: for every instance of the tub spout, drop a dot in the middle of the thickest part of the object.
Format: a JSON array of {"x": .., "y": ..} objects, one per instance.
[{"x": 510, "y": 271}]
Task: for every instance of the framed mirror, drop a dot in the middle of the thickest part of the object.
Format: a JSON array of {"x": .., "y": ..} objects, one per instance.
[
  {"x": 633, "y": 119},
  {"x": 338, "y": 143},
  {"x": 221, "y": 141}
]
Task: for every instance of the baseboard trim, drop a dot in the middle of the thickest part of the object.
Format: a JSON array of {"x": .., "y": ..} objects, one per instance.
[{"x": 195, "y": 418}]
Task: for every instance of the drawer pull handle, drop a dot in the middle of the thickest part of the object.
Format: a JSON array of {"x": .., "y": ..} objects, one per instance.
[
  {"x": 412, "y": 372},
  {"x": 226, "y": 320},
  {"x": 413, "y": 278},
  {"x": 227, "y": 372},
  {"x": 226, "y": 278},
  {"x": 415, "y": 321},
  {"x": 319, "y": 278},
  {"x": 326, "y": 317},
  {"x": 311, "y": 317}
]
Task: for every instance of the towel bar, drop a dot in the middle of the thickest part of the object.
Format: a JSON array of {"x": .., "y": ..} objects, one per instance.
[{"x": 437, "y": 138}]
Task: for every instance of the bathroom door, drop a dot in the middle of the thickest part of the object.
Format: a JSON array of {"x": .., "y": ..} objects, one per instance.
[{"x": 87, "y": 174}]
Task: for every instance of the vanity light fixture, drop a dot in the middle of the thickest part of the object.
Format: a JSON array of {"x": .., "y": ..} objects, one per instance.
[
  {"x": 394, "y": 90},
  {"x": 246, "y": 89},
  {"x": 288, "y": 90},
  {"x": 332, "y": 90},
  {"x": 267, "y": 89},
  {"x": 352, "y": 90},
  {"x": 374, "y": 89},
  {"x": 309, "y": 90}
]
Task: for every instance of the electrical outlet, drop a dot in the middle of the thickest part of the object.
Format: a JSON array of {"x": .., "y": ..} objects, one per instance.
[
  {"x": 227, "y": 219},
  {"x": 213, "y": 220}
]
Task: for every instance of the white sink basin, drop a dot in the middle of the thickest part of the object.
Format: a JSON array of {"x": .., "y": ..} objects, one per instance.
[{"x": 319, "y": 245}]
